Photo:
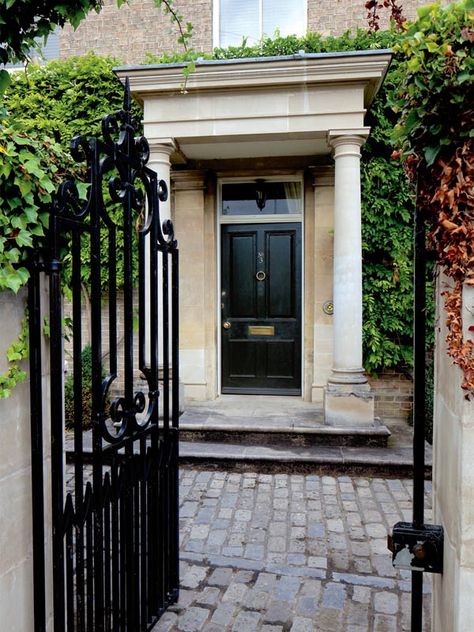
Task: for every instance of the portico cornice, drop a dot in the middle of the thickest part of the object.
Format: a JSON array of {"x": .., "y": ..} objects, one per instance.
[{"x": 368, "y": 67}]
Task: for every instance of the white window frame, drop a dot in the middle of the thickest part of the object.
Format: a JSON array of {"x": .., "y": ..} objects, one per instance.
[
  {"x": 216, "y": 14},
  {"x": 259, "y": 218}
]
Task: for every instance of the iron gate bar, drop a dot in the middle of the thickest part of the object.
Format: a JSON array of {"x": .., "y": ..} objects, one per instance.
[
  {"x": 57, "y": 439},
  {"x": 115, "y": 539},
  {"x": 36, "y": 416}
]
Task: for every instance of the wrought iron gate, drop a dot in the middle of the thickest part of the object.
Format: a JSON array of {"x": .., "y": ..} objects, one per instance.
[{"x": 115, "y": 527}]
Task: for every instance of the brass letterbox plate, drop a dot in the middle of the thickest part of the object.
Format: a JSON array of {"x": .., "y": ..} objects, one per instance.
[{"x": 261, "y": 330}]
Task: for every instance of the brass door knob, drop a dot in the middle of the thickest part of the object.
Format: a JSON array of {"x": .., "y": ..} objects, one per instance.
[{"x": 227, "y": 325}]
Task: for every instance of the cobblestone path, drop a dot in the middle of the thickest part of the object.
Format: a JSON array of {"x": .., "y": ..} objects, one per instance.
[{"x": 290, "y": 552}]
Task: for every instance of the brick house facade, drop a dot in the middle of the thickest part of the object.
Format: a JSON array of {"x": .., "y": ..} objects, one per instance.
[{"x": 134, "y": 30}]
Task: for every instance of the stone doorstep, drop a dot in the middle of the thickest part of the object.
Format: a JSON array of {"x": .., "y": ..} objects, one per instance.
[
  {"x": 290, "y": 435},
  {"x": 374, "y": 460}
]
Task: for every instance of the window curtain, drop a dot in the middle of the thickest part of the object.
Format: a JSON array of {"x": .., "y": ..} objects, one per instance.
[
  {"x": 293, "y": 197},
  {"x": 239, "y": 19}
]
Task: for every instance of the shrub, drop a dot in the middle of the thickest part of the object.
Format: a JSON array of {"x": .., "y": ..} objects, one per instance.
[{"x": 86, "y": 361}]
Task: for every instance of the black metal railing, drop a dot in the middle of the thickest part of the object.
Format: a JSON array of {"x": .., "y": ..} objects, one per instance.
[{"x": 115, "y": 528}]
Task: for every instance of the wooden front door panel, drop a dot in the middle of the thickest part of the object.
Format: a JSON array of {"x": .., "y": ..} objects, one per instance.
[{"x": 261, "y": 308}]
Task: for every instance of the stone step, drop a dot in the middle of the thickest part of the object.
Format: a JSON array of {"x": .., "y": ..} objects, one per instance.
[
  {"x": 267, "y": 433},
  {"x": 336, "y": 459}
]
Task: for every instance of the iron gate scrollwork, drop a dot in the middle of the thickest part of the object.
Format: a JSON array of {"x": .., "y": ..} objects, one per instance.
[{"x": 115, "y": 528}]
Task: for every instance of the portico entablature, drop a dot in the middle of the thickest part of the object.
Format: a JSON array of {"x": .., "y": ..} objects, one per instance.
[{"x": 245, "y": 108}]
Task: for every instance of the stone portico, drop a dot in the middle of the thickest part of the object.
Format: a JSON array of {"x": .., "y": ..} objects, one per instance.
[{"x": 298, "y": 119}]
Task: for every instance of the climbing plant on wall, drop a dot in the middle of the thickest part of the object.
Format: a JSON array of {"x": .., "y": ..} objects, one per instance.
[
  {"x": 433, "y": 93},
  {"x": 30, "y": 169},
  {"x": 43, "y": 110}
]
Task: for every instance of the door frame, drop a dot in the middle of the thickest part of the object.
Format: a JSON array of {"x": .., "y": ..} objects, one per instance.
[{"x": 257, "y": 219}]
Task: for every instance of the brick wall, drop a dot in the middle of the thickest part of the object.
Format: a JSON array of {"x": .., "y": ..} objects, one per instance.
[
  {"x": 133, "y": 30},
  {"x": 393, "y": 394},
  {"x": 334, "y": 17}
]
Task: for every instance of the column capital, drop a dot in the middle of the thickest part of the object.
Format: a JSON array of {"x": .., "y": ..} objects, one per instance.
[
  {"x": 162, "y": 146},
  {"x": 343, "y": 141}
]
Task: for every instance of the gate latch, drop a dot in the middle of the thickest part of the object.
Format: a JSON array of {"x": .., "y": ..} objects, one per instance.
[{"x": 417, "y": 549}]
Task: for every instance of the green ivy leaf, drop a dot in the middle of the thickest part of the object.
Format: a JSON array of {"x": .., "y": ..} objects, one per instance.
[
  {"x": 463, "y": 76},
  {"x": 5, "y": 80},
  {"x": 24, "y": 239},
  {"x": 431, "y": 153},
  {"x": 24, "y": 186}
]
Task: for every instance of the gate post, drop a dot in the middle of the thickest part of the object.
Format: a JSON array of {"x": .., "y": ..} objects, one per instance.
[
  {"x": 453, "y": 478},
  {"x": 22, "y": 593}
]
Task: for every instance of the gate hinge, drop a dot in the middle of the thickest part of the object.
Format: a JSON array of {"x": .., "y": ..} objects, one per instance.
[{"x": 417, "y": 548}]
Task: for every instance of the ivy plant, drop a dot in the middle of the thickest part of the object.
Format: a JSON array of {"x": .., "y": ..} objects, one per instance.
[
  {"x": 30, "y": 169},
  {"x": 432, "y": 94},
  {"x": 64, "y": 99}
]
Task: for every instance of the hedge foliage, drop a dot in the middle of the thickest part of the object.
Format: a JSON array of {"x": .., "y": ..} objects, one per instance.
[{"x": 64, "y": 99}]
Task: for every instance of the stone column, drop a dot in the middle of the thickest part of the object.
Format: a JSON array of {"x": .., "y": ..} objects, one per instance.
[
  {"x": 160, "y": 155},
  {"x": 348, "y": 399},
  {"x": 160, "y": 161}
]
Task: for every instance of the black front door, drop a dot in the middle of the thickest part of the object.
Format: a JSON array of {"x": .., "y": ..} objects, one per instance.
[{"x": 261, "y": 309}]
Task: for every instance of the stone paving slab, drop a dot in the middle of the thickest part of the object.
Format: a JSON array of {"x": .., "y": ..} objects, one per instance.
[{"x": 291, "y": 552}]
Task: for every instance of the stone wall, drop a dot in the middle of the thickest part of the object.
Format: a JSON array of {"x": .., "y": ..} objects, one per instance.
[
  {"x": 138, "y": 28},
  {"x": 16, "y": 562},
  {"x": 453, "y": 482}
]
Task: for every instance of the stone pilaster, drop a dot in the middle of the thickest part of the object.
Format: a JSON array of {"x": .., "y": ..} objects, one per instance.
[
  {"x": 348, "y": 398},
  {"x": 194, "y": 227},
  {"x": 319, "y": 270}
]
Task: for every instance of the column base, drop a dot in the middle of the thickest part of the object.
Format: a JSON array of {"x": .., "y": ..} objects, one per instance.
[{"x": 349, "y": 405}]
